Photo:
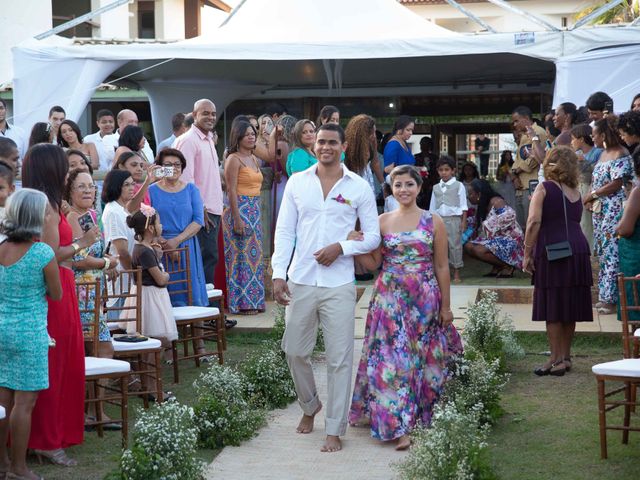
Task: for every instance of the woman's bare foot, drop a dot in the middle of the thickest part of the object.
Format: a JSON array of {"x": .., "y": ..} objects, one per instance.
[
  {"x": 331, "y": 444},
  {"x": 306, "y": 422},
  {"x": 404, "y": 442}
]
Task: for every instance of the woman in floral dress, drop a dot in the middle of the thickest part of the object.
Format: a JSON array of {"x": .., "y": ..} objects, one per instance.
[
  {"x": 605, "y": 202},
  {"x": 499, "y": 241},
  {"x": 409, "y": 335}
]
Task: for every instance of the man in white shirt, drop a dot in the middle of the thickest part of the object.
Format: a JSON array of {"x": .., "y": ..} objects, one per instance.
[
  {"x": 106, "y": 123},
  {"x": 319, "y": 209},
  {"x": 125, "y": 118},
  {"x": 177, "y": 127},
  {"x": 14, "y": 133}
]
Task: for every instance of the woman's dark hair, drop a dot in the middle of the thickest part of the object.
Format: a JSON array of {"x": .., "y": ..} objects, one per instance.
[
  {"x": 74, "y": 126},
  {"x": 325, "y": 114},
  {"x": 637, "y": 96},
  {"x": 85, "y": 159},
  {"x": 361, "y": 146},
  {"x": 468, "y": 165},
  {"x": 406, "y": 170},
  {"x": 583, "y": 131},
  {"x": 402, "y": 122},
  {"x": 45, "y": 168},
  {"x": 171, "y": 152},
  {"x": 629, "y": 123},
  {"x": 503, "y": 158},
  {"x": 131, "y": 137},
  {"x": 570, "y": 109},
  {"x": 138, "y": 221},
  {"x": 238, "y": 131},
  {"x": 40, "y": 133},
  {"x": 483, "y": 188},
  {"x": 552, "y": 129},
  {"x": 112, "y": 186},
  {"x": 636, "y": 162},
  {"x": 607, "y": 127},
  {"x": 6, "y": 172},
  {"x": 123, "y": 158}
]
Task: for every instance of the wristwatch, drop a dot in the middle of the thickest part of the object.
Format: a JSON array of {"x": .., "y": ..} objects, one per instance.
[
  {"x": 76, "y": 247},
  {"x": 535, "y": 138}
]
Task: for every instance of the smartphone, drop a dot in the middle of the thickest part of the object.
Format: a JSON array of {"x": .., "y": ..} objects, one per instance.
[
  {"x": 86, "y": 222},
  {"x": 532, "y": 186},
  {"x": 608, "y": 107}
]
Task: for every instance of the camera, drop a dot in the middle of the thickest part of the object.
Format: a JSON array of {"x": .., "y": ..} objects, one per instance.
[{"x": 164, "y": 172}]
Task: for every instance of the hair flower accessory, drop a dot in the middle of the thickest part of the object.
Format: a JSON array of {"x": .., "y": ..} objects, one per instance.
[
  {"x": 148, "y": 211},
  {"x": 341, "y": 199}
]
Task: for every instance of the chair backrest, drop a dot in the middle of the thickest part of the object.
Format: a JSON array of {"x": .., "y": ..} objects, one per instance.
[
  {"x": 122, "y": 304},
  {"x": 89, "y": 304},
  {"x": 177, "y": 265},
  {"x": 628, "y": 304}
]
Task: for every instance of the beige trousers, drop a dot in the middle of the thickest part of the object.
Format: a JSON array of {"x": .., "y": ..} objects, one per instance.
[
  {"x": 454, "y": 237},
  {"x": 334, "y": 310}
]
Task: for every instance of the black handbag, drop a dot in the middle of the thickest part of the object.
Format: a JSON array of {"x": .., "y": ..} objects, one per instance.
[{"x": 559, "y": 250}]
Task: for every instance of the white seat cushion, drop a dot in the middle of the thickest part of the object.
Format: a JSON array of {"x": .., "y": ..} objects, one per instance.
[
  {"x": 628, "y": 367},
  {"x": 210, "y": 286},
  {"x": 3, "y": 413},
  {"x": 149, "y": 344},
  {"x": 214, "y": 293},
  {"x": 193, "y": 313},
  {"x": 102, "y": 366},
  {"x": 637, "y": 333}
]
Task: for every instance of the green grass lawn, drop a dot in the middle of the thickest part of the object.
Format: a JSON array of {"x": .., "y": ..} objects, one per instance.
[
  {"x": 98, "y": 457},
  {"x": 550, "y": 429}
]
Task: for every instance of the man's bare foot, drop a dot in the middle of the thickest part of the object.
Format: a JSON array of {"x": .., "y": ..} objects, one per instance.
[
  {"x": 404, "y": 442},
  {"x": 306, "y": 422},
  {"x": 331, "y": 444}
]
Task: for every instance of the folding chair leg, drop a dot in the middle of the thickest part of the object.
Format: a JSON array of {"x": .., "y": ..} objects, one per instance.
[
  {"x": 602, "y": 419},
  {"x": 174, "y": 354},
  {"x": 98, "y": 408},
  {"x": 124, "y": 409},
  {"x": 627, "y": 412},
  {"x": 158, "y": 365}
]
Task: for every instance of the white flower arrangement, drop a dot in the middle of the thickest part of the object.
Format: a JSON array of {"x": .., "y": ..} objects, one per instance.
[
  {"x": 164, "y": 445},
  {"x": 224, "y": 414},
  {"x": 270, "y": 382}
]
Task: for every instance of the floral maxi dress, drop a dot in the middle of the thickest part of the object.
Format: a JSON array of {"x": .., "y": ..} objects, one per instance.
[{"x": 403, "y": 366}]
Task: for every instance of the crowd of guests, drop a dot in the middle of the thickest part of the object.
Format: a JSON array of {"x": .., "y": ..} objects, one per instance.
[{"x": 566, "y": 193}]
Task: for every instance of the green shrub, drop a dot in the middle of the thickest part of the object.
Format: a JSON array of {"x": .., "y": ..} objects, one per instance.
[
  {"x": 223, "y": 413},
  {"x": 269, "y": 380},
  {"x": 450, "y": 449},
  {"x": 164, "y": 445},
  {"x": 489, "y": 333}
]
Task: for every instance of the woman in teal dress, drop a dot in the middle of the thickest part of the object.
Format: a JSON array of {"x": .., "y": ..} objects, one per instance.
[
  {"x": 302, "y": 157},
  {"x": 628, "y": 231},
  {"x": 409, "y": 334},
  {"x": 28, "y": 270}
]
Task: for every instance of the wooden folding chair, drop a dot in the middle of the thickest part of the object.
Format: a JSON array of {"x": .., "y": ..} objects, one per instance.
[
  {"x": 630, "y": 342},
  {"x": 216, "y": 295},
  {"x": 123, "y": 307},
  {"x": 98, "y": 371},
  {"x": 191, "y": 321}
]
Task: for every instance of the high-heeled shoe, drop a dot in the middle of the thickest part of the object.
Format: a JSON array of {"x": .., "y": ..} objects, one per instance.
[
  {"x": 567, "y": 363},
  {"x": 558, "y": 372},
  {"x": 57, "y": 457},
  {"x": 542, "y": 371}
]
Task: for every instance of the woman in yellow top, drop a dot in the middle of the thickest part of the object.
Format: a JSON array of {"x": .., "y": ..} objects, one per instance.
[{"x": 241, "y": 224}]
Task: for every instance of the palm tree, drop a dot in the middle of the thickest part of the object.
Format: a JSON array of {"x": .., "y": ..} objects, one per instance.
[{"x": 626, "y": 12}]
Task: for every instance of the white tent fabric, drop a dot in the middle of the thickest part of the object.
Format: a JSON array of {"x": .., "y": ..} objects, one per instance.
[
  {"x": 295, "y": 48},
  {"x": 615, "y": 71}
]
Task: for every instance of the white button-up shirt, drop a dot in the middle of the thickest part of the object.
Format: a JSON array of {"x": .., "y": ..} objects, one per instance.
[
  {"x": 309, "y": 222},
  {"x": 105, "y": 149},
  {"x": 17, "y": 135},
  {"x": 450, "y": 210}
]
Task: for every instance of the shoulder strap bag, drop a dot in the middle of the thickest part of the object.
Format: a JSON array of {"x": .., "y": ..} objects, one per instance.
[{"x": 559, "y": 250}]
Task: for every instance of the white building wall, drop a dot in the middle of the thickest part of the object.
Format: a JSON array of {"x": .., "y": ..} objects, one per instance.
[
  {"x": 170, "y": 19},
  {"x": 20, "y": 20},
  {"x": 114, "y": 24}
]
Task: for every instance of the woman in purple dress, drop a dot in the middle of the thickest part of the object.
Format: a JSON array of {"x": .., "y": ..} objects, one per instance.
[
  {"x": 409, "y": 335},
  {"x": 562, "y": 287}
]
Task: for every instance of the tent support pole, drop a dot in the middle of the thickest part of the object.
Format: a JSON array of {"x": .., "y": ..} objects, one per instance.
[
  {"x": 596, "y": 13},
  {"x": 473, "y": 17}
]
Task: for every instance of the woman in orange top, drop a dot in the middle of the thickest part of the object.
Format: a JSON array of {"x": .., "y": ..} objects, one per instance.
[{"x": 241, "y": 224}]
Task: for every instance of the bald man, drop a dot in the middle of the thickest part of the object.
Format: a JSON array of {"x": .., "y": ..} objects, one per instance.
[{"x": 125, "y": 118}]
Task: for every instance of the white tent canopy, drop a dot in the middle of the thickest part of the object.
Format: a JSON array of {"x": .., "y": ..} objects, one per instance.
[{"x": 296, "y": 48}]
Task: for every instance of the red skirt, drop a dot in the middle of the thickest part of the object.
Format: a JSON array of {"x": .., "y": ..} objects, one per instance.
[{"x": 58, "y": 417}]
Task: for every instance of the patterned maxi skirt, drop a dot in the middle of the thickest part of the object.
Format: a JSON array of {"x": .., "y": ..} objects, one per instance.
[{"x": 243, "y": 257}]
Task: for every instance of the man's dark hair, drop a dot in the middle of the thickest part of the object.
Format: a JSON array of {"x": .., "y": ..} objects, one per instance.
[
  {"x": 446, "y": 160},
  {"x": 523, "y": 111},
  {"x": 3, "y": 102},
  {"x": 332, "y": 127},
  {"x": 596, "y": 102},
  {"x": 177, "y": 121},
  {"x": 56, "y": 108},
  {"x": 276, "y": 109},
  {"x": 104, "y": 113},
  {"x": 188, "y": 120},
  {"x": 6, "y": 146}
]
